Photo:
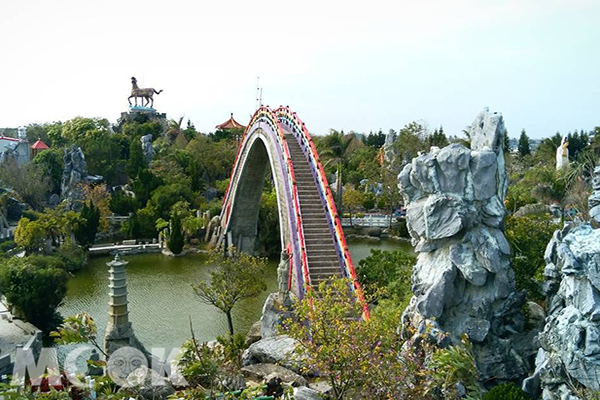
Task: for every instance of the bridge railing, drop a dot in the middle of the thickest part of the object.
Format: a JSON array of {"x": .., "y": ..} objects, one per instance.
[{"x": 299, "y": 130}]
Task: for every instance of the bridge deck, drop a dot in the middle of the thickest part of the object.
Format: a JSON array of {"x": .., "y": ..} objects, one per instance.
[{"x": 323, "y": 261}]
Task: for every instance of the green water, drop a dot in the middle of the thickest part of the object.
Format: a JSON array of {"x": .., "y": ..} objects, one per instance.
[{"x": 161, "y": 299}]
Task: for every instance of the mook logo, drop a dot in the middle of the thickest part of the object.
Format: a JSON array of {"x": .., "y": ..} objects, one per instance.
[{"x": 127, "y": 367}]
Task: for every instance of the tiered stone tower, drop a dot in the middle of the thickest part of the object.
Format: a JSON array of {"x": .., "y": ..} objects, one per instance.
[{"x": 119, "y": 332}]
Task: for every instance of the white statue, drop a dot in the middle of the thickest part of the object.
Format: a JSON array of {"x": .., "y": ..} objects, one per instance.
[
  {"x": 562, "y": 154},
  {"x": 22, "y": 133}
]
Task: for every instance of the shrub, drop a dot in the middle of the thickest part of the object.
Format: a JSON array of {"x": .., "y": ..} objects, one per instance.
[
  {"x": 528, "y": 237},
  {"x": 36, "y": 286},
  {"x": 390, "y": 270},
  {"x": 73, "y": 255},
  {"x": 506, "y": 391}
]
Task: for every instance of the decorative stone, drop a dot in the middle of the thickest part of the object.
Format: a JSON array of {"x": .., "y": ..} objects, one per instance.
[
  {"x": 274, "y": 350},
  {"x": 571, "y": 337},
  {"x": 304, "y": 393},
  {"x": 147, "y": 148},
  {"x": 259, "y": 372},
  {"x": 253, "y": 334},
  {"x": 463, "y": 282},
  {"x": 74, "y": 175}
]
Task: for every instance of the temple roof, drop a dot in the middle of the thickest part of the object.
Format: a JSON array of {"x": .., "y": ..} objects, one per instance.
[
  {"x": 230, "y": 124},
  {"x": 8, "y": 138},
  {"x": 39, "y": 145}
]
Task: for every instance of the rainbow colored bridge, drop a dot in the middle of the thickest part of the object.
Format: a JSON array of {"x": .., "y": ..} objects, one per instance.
[{"x": 310, "y": 228}]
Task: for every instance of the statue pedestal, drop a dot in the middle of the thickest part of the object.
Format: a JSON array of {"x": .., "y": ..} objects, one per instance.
[{"x": 142, "y": 109}]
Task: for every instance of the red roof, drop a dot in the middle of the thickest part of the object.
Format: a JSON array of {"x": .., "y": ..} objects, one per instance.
[
  {"x": 230, "y": 124},
  {"x": 39, "y": 145},
  {"x": 8, "y": 138}
]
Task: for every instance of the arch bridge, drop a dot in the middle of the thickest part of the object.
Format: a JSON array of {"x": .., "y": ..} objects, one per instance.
[{"x": 311, "y": 233}]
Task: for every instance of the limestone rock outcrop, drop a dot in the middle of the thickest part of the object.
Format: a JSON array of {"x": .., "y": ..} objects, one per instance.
[
  {"x": 570, "y": 352},
  {"x": 147, "y": 148},
  {"x": 594, "y": 200},
  {"x": 74, "y": 176},
  {"x": 463, "y": 281}
]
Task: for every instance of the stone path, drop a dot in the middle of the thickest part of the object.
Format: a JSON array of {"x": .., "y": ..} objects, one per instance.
[{"x": 13, "y": 333}]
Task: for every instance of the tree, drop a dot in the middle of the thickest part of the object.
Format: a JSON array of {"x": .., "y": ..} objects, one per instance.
[
  {"x": 36, "y": 291},
  {"x": 28, "y": 181},
  {"x": 351, "y": 199},
  {"x": 369, "y": 359},
  {"x": 528, "y": 237},
  {"x": 175, "y": 241},
  {"x": 390, "y": 270},
  {"x": 237, "y": 277},
  {"x": 85, "y": 233},
  {"x": 30, "y": 235},
  {"x": 268, "y": 242},
  {"x": 99, "y": 195},
  {"x": 524, "y": 148},
  {"x": 438, "y": 138},
  {"x": 136, "y": 160},
  {"x": 52, "y": 163}
]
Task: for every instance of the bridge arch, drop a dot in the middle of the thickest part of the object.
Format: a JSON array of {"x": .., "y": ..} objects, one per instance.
[{"x": 310, "y": 228}]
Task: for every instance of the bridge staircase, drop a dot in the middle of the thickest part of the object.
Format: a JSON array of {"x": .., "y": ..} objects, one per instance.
[{"x": 323, "y": 262}]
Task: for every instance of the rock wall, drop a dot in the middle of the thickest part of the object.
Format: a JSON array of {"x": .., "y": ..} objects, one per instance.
[
  {"x": 463, "y": 281},
  {"x": 570, "y": 342}
]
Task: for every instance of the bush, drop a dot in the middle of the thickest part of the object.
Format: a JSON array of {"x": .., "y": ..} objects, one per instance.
[
  {"x": 528, "y": 237},
  {"x": 7, "y": 246},
  {"x": 36, "y": 286},
  {"x": 123, "y": 204},
  {"x": 73, "y": 255},
  {"x": 506, "y": 391},
  {"x": 390, "y": 270}
]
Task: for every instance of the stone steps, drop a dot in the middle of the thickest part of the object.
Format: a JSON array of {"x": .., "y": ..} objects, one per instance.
[{"x": 320, "y": 250}]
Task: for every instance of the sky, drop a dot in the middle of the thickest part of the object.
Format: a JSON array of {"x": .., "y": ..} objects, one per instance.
[{"x": 351, "y": 65}]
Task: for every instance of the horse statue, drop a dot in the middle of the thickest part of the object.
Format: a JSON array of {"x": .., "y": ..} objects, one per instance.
[{"x": 145, "y": 94}]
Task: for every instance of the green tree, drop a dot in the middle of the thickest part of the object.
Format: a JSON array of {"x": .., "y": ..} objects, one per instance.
[
  {"x": 30, "y": 183},
  {"x": 237, "y": 277},
  {"x": 123, "y": 204},
  {"x": 524, "y": 147},
  {"x": 268, "y": 242},
  {"x": 36, "y": 291},
  {"x": 85, "y": 233},
  {"x": 528, "y": 237},
  {"x": 30, "y": 235},
  {"x": 438, "y": 138},
  {"x": 136, "y": 160},
  {"x": 52, "y": 163},
  {"x": 175, "y": 241},
  {"x": 390, "y": 270},
  {"x": 352, "y": 199},
  {"x": 103, "y": 154},
  {"x": 80, "y": 127}
]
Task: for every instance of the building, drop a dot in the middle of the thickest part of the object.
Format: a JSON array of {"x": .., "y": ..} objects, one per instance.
[
  {"x": 15, "y": 149},
  {"x": 230, "y": 124},
  {"x": 37, "y": 148}
]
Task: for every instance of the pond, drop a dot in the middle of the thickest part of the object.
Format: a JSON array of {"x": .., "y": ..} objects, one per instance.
[{"x": 161, "y": 299}]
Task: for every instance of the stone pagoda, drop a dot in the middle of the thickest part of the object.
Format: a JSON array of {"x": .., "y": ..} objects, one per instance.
[{"x": 119, "y": 332}]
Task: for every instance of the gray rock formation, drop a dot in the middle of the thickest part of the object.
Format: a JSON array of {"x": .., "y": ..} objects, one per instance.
[
  {"x": 594, "y": 200},
  {"x": 274, "y": 350},
  {"x": 259, "y": 372},
  {"x": 305, "y": 393},
  {"x": 463, "y": 281},
  {"x": 570, "y": 341},
  {"x": 147, "y": 148},
  {"x": 73, "y": 178}
]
